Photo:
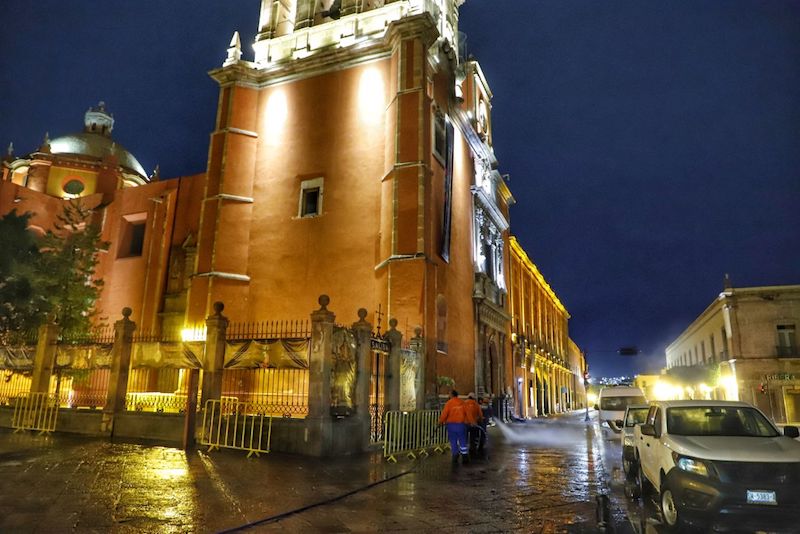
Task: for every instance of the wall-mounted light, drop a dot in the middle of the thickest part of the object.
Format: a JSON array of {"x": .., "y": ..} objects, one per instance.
[
  {"x": 275, "y": 119},
  {"x": 371, "y": 91}
]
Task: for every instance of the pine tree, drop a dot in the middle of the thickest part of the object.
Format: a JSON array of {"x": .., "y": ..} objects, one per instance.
[{"x": 66, "y": 269}]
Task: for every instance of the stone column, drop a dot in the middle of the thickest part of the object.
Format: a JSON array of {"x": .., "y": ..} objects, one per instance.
[
  {"x": 45, "y": 358},
  {"x": 363, "y": 331},
  {"x": 417, "y": 344},
  {"x": 319, "y": 426},
  {"x": 214, "y": 362},
  {"x": 120, "y": 365},
  {"x": 391, "y": 400}
]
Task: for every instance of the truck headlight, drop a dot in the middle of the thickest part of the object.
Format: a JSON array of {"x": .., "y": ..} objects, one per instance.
[{"x": 693, "y": 465}]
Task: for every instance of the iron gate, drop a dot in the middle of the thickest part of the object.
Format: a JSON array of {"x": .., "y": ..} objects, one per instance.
[{"x": 377, "y": 408}]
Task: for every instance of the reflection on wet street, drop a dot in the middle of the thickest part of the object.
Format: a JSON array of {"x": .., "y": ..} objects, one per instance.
[{"x": 540, "y": 476}]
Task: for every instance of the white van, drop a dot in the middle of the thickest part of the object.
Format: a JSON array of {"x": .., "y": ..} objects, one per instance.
[{"x": 612, "y": 402}]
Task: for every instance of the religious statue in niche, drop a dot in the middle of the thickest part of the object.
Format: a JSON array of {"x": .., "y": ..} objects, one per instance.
[
  {"x": 343, "y": 373},
  {"x": 408, "y": 380}
]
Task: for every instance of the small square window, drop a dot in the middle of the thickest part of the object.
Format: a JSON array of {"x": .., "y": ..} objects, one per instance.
[
  {"x": 131, "y": 243},
  {"x": 310, "y": 198},
  {"x": 310, "y": 202}
]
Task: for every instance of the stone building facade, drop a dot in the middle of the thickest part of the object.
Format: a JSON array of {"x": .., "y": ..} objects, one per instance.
[
  {"x": 352, "y": 156},
  {"x": 548, "y": 366},
  {"x": 744, "y": 346}
]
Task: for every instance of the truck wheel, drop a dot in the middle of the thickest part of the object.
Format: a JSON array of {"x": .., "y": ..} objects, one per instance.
[{"x": 669, "y": 509}]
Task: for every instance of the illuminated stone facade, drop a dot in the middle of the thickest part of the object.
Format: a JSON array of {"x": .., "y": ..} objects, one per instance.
[
  {"x": 744, "y": 346},
  {"x": 149, "y": 223},
  {"x": 353, "y": 156},
  {"x": 548, "y": 366}
]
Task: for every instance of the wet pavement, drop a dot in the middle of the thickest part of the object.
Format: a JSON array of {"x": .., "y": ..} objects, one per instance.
[{"x": 541, "y": 476}]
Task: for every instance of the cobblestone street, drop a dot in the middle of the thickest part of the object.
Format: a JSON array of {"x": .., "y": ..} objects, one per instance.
[{"x": 542, "y": 476}]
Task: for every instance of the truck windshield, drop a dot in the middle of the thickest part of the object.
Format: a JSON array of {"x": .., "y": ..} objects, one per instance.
[
  {"x": 619, "y": 403},
  {"x": 719, "y": 421}
]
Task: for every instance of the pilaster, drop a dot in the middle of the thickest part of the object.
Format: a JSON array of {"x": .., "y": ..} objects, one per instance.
[
  {"x": 363, "y": 331},
  {"x": 216, "y": 328},
  {"x": 120, "y": 366},
  {"x": 394, "y": 375},
  {"x": 45, "y": 358}
]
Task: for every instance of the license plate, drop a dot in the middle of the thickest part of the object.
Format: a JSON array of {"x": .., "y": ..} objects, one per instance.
[{"x": 761, "y": 497}]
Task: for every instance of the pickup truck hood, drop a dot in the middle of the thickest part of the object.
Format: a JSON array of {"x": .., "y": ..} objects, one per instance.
[{"x": 737, "y": 449}]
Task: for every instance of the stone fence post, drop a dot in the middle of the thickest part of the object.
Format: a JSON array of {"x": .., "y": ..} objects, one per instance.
[
  {"x": 319, "y": 429},
  {"x": 394, "y": 370},
  {"x": 363, "y": 332},
  {"x": 417, "y": 344},
  {"x": 120, "y": 366},
  {"x": 214, "y": 361},
  {"x": 44, "y": 358}
]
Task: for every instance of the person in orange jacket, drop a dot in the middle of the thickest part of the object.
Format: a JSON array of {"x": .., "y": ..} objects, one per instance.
[
  {"x": 474, "y": 418},
  {"x": 455, "y": 418}
]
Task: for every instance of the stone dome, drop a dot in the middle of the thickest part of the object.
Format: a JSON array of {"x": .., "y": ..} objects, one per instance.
[{"x": 96, "y": 146}]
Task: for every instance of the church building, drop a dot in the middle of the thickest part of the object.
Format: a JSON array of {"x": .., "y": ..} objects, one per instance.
[{"x": 352, "y": 156}]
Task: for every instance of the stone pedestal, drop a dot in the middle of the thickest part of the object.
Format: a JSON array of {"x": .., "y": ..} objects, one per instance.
[
  {"x": 120, "y": 365},
  {"x": 44, "y": 359}
]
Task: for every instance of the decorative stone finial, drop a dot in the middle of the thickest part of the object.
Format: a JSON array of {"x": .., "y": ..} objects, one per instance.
[
  {"x": 323, "y": 301},
  {"x": 234, "y": 50},
  {"x": 10, "y": 150},
  {"x": 362, "y": 314},
  {"x": 417, "y": 331},
  {"x": 393, "y": 323},
  {"x": 218, "y": 307},
  {"x": 126, "y": 312},
  {"x": 156, "y": 175}
]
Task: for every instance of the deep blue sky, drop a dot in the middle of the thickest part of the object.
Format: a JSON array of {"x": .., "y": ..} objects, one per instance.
[{"x": 652, "y": 146}]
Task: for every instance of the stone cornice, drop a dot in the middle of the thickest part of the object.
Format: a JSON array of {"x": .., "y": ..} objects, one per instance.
[{"x": 331, "y": 59}]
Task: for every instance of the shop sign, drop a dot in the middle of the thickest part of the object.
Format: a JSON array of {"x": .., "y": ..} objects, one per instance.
[{"x": 780, "y": 376}]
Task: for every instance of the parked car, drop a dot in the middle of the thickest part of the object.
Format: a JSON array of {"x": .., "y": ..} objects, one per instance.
[
  {"x": 635, "y": 414},
  {"x": 612, "y": 401},
  {"x": 717, "y": 463}
]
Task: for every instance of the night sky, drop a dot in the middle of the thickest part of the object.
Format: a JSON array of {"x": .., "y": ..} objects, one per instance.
[{"x": 652, "y": 146}]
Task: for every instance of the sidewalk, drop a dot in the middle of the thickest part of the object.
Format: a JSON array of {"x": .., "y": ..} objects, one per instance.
[{"x": 63, "y": 483}]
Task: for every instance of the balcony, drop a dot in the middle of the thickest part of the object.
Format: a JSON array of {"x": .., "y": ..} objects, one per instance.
[{"x": 787, "y": 351}]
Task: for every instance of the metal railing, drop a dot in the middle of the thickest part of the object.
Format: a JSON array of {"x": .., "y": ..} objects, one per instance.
[
  {"x": 35, "y": 411},
  {"x": 278, "y": 392},
  {"x": 268, "y": 330},
  {"x": 157, "y": 390},
  {"x": 13, "y": 385},
  {"x": 234, "y": 425},
  {"x": 413, "y": 434},
  {"x": 80, "y": 388}
]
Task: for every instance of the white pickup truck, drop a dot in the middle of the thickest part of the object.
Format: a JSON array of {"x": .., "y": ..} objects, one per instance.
[{"x": 717, "y": 464}]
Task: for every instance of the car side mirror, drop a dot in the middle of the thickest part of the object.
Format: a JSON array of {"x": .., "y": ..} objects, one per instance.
[
  {"x": 791, "y": 432},
  {"x": 620, "y": 423},
  {"x": 648, "y": 430}
]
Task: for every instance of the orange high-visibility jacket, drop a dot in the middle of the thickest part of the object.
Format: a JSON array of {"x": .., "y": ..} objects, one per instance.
[
  {"x": 473, "y": 410},
  {"x": 453, "y": 412}
]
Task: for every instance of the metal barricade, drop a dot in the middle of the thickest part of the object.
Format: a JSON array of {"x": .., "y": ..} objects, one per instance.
[
  {"x": 413, "y": 434},
  {"x": 232, "y": 424},
  {"x": 35, "y": 411}
]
